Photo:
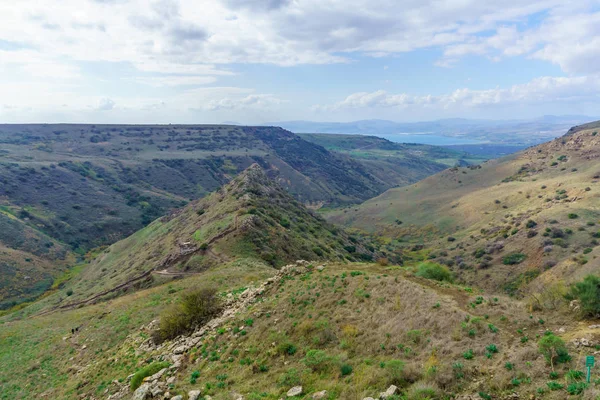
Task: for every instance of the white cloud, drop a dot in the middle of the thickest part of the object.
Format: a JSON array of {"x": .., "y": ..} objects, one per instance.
[
  {"x": 539, "y": 90},
  {"x": 106, "y": 104}
]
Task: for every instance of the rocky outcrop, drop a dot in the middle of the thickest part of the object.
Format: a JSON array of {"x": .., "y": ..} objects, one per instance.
[{"x": 174, "y": 352}]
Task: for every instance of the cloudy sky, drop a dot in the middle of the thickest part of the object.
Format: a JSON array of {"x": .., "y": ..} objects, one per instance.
[{"x": 252, "y": 61}]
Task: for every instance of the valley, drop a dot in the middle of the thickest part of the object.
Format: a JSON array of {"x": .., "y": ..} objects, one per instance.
[
  {"x": 66, "y": 189},
  {"x": 472, "y": 283}
]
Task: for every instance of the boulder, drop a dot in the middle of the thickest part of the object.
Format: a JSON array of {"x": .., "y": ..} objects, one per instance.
[
  {"x": 142, "y": 393},
  {"x": 295, "y": 391},
  {"x": 194, "y": 395},
  {"x": 178, "y": 397},
  {"x": 392, "y": 390},
  {"x": 320, "y": 395}
]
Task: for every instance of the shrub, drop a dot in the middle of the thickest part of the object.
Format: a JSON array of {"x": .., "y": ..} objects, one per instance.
[
  {"x": 553, "y": 349},
  {"x": 588, "y": 294},
  {"x": 421, "y": 391},
  {"x": 69, "y": 292},
  {"x": 577, "y": 388},
  {"x": 573, "y": 216},
  {"x": 284, "y": 222},
  {"x": 317, "y": 360},
  {"x": 345, "y": 369},
  {"x": 554, "y": 385},
  {"x": 290, "y": 378},
  {"x": 195, "y": 308},
  {"x": 514, "y": 258},
  {"x": 394, "y": 370},
  {"x": 434, "y": 271},
  {"x": 287, "y": 348},
  {"x": 451, "y": 239},
  {"x": 531, "y": 224},
  {"x": 468, "y": 355},
  {"x": 149, "y": 370}
]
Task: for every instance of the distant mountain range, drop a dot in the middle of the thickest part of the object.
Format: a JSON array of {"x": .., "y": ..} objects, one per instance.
[{"x": 522, "y": 132}]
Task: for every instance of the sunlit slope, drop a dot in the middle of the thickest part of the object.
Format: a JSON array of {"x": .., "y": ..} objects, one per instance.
[{"x": 473, "y": 218}]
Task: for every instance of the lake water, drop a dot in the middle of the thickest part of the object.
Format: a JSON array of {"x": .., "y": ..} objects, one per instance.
[{"x": 426, "y": 139}]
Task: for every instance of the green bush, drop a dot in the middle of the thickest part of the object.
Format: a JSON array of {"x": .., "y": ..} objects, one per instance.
[
  {"x": 576, "y": 388},
  {"x": 514, "y": 258},
  {"x": 554, "y": 385},
  {"x": 553, "y": 349},
  {"x": 394, "y": 370},
  {"x": 149, "y": 370},
  {"x": 317, "y": 360},
  {"x": 434, "y": 271},
  {"x": 588, "y": 294},
  {"x": 290, "y": 378},
  {"x": 195, "y": 308},
  {"x": 573, "y": 216},
  {"x": 420, "y": 391},
  {"x": 345, "y": 369}
]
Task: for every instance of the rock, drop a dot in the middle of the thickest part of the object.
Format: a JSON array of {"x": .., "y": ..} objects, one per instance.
[
  {"x": 320, "y": 268},
  {"x": 368, "y": 398},
  {"x": 156, "y": 391},
  {"x": 320, "y": 395},
  {"x": 178, "y": 397},
  {"x": 156, "y": 375},
  {"x": 295, "y": 391},
  {"x": 392, "y": 390},
  {"x": 193, "y": 394},
  {"x": 179, "y": 349},
  {"x": 142, "y": 393},
  {"x": 594, "y": 326}
]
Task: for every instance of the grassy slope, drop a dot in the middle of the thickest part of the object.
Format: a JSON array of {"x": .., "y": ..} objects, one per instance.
[
  {"x": 362, "y": 320},
  {"x": 489, "y": 205},
  {"x": 251, "y": 217}
]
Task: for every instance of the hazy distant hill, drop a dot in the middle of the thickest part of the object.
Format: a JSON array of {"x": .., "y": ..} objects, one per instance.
[{"x": 523, "y": 132}]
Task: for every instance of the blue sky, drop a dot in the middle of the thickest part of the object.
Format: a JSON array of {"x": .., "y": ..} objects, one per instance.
[{"x": 251, "y": 61}]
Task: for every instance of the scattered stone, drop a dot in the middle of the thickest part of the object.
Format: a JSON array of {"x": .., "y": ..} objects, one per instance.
[
  {"x": 582, "y": 342},
  {"x": 594, "y": 326},
  {"x": 392, "y": 390},
  {"x": 320, "y": 268},
  {"x": 295, "y": 391},
  {"x": 368, "y": 398},
  {"x": 193, "y": 394},
  {"x": 320, "y": 395},
  {"x": 178, "y": 397}
]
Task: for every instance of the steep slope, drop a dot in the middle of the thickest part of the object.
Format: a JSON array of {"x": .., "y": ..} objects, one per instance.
[
  {"x": 29, "y": 260},
  {"x": 252, "y": 217},
  {"x": 540, "y": 205},
  {"x": 91, "y": 185}
]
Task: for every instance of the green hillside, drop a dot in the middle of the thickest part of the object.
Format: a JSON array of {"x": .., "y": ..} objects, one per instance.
[
  {"x": 250, "y": 218},
  {"x": 84, "y": 186},
  {"x": 541, "y": 203}
]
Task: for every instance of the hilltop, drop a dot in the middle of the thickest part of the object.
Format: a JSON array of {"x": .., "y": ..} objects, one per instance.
[
  {"x": 509, "y": 224},
  {"x": 78, "y": 187},
  {"x": 251, "y": 218}
]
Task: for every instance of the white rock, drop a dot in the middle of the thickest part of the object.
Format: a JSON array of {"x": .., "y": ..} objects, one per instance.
[
  {"x": 295, "y": 391},
  {"x": 142, "y": 393},
  {"x": 320, "y": 395},
  {"x": 368, "y": 398},
  {"x": 320, "y": 268},
  {"x": 178, "y": 397},
  {"x": 193, "y": 394},
  {"x": 392, "y": 390}
]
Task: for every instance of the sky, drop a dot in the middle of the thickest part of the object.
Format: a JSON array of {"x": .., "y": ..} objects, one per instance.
[{"x": 252, "y": 61}]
